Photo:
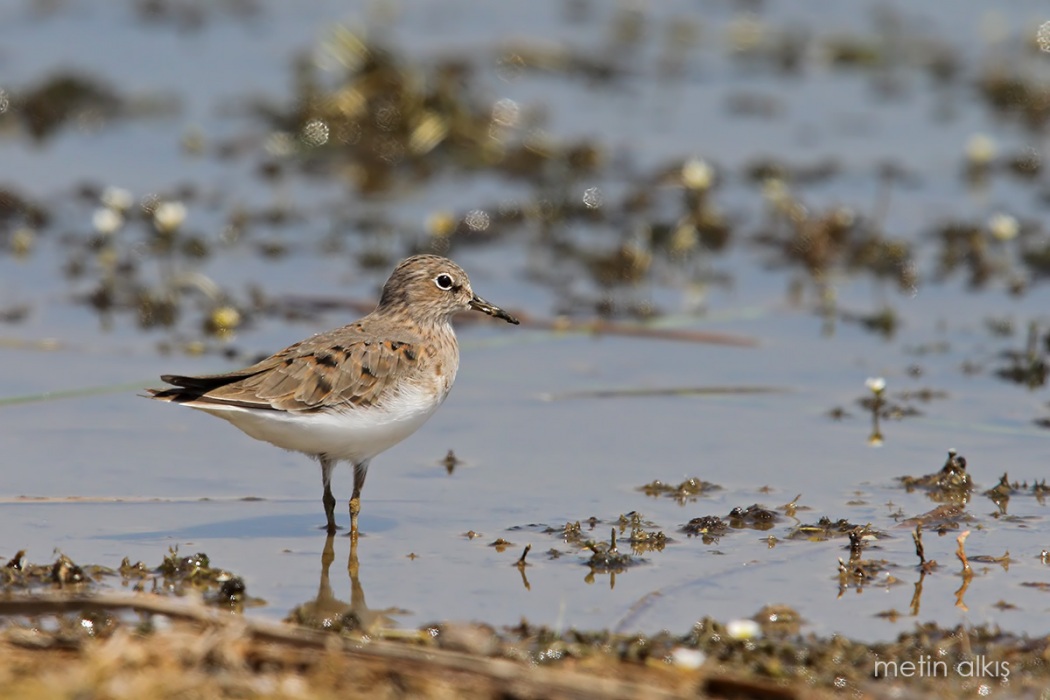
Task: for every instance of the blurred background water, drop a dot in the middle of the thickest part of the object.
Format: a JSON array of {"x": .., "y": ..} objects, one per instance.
[{"x": 859, "y": 189}]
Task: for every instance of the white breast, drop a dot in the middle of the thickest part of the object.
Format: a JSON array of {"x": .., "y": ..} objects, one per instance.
[{"x": 352, "y": 434}]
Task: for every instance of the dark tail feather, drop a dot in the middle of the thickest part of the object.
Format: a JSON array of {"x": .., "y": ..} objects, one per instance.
[
  {"x": 206, "y": 382},
  {"x": 192, "y": 388},
  {"x": 176, "y": 395}
]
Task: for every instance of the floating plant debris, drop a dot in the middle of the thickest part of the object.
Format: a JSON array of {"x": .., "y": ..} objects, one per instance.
[
  {"x": 952, "y": 483},
  {"x": 685, "y": 492}
]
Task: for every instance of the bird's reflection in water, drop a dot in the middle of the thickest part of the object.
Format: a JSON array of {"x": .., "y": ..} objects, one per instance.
[{"x": 328, "y": 612}]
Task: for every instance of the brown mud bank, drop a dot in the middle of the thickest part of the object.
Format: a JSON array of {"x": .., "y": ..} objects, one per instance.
[{"x": 65, "y": 633}]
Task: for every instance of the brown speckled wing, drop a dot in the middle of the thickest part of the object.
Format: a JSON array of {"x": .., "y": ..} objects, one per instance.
[{"x": 340, "y": 367}]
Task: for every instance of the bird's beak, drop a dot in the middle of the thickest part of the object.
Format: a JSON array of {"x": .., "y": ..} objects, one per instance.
[{"x": 479, "y": 304}]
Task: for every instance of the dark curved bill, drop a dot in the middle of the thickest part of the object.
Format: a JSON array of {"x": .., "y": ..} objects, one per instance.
[{"x": 479, "y": 304}]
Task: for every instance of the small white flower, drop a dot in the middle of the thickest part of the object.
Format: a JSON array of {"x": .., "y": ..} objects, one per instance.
[
  {"x": 168, "y": 216},
  {"x": 592, "y": 198},
  {"x": 743, "y": 629},
  {"x": 116, "y": 198},
  {"x": 107, "y": 220},
  {"x": 225, "y": 318},
  {"x": 477, "y": 220},
  {"x": 688, "y": 659},
  {"x": 697, "y": 174},
  {"x": 980, "y": 149},
  {"x": 315, "y": 133},
  {"x": 1003, "y": 226},
  {"x": 506, "y": 112},
  {"x": 1042, "y": 36},
  {"x": 875, "y": 384}
]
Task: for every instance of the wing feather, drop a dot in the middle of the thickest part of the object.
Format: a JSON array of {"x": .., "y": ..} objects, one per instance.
[{"x": 341, "y": 367}]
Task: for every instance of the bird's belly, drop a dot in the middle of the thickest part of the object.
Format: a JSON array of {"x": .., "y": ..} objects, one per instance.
[{"x": 352, "y": 434}]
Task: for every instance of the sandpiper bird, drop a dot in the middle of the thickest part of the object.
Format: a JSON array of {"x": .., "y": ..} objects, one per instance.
[{"x": 353, "y": 392}]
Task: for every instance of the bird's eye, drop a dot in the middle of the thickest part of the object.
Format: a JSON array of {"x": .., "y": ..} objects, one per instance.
[{"x": 443, "y": 281}]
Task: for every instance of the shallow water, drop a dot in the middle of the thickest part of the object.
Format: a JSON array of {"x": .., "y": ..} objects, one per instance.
[{"x": 143, "y": 477}]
